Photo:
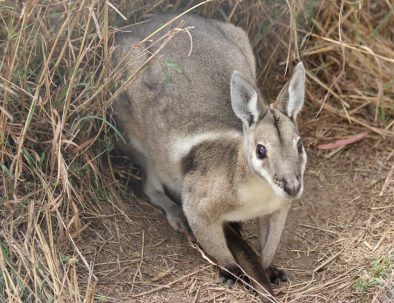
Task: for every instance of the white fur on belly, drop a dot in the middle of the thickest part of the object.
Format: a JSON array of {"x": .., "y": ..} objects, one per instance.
[{"x": 256, "y": 199}]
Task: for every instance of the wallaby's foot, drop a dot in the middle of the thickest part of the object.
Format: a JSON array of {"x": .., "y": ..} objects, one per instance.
[
  {"x": 155, "y": 192},
  {"x": 231, "y": 274},
  {"x": 177, "y": 219},
  {"x": 276, "y": 275}
]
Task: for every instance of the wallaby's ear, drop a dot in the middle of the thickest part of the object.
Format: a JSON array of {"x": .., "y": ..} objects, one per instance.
[
  {"x": 291, "y": 97},
  {"x": 244, "y": 99}
]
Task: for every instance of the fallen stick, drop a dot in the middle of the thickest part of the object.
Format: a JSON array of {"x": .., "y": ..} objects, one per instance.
[{"x": 344, "y": 142}]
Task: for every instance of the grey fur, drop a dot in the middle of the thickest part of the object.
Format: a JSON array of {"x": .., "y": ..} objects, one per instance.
[{"x": 191, "y": 133}]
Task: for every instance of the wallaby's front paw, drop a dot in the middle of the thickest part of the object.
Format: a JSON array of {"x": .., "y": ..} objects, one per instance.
[
  {"x": 276, "y": 275},
  {"x": 231, "y": 274},
  {"x": 177, "y": 220}
]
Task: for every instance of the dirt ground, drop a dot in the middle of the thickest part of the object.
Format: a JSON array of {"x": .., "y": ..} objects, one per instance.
[{"x": 331, "y": 236}]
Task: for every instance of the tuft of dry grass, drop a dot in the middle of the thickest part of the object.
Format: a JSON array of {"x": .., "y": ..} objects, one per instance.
[
  {"x": 55, "y": 142},
  {"x": 57, "y": 85},
  {"x": 350, "y": 59}
]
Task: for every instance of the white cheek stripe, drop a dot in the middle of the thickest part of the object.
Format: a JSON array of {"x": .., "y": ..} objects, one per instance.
[
  {"x": 263, "y": 173},
  {"x": 183, "y": 145}
]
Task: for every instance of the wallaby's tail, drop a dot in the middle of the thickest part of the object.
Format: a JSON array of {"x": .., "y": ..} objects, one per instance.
[{"x": 249, "y": 262}]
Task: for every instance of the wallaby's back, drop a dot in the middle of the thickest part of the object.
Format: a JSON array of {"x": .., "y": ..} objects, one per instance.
[
  {"x": 183, "y": 94},
  {"x": 186, "y": 97}
]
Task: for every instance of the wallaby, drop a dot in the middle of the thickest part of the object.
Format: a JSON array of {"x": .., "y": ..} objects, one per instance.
[{"x": 195, "y": 122}]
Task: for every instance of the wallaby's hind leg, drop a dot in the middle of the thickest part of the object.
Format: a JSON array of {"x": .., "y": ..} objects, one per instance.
[
  {"x": 271, "y": 228},
  {"x": 156, "y": 194}
]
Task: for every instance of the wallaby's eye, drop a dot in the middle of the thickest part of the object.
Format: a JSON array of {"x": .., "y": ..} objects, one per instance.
[
  {"x": 299, "y": 146},
  {"x": 261, "y": 151}
]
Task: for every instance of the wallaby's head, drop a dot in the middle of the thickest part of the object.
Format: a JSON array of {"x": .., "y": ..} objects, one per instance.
[{"x": 273, "y": 146}]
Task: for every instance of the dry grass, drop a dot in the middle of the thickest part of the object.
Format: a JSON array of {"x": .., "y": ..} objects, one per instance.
[{"x": 55, "y": 133}]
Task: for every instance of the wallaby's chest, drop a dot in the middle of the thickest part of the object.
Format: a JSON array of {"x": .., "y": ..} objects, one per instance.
[{"x": 255, "y": 199}]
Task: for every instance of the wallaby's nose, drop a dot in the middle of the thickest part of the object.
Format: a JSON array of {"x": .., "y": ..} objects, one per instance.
[{"x": 291, "y": 186}]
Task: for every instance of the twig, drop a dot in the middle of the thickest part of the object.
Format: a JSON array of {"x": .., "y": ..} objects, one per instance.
[
  {"x": 327, "y": 261},
  {"x": 386, "y": 182},
  {"x": 318, "y": 228},
  {"x": 344, "y": 142}
]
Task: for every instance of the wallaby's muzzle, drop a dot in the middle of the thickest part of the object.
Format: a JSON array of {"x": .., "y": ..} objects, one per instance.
[{"x": 291, "y": 186}]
